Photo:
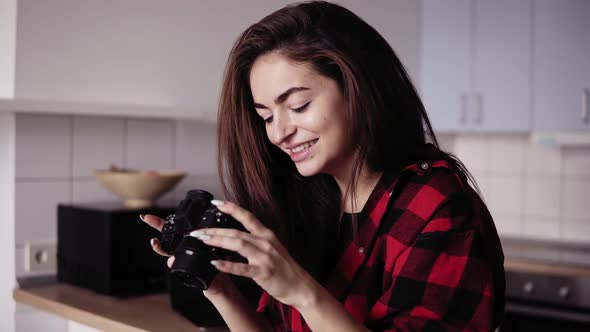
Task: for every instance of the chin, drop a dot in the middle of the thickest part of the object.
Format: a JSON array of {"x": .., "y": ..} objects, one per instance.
[{"x": 308, "y": 170}]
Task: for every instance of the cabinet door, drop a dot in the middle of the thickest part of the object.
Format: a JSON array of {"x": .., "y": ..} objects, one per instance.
[
  {"x": 502, "y": 70},
  {"x": 445, "y": 58},
  {"x": 561, "y": 69}
]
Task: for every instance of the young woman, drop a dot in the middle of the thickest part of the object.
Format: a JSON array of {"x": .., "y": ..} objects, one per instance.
[{"x": 356, "y": 219}]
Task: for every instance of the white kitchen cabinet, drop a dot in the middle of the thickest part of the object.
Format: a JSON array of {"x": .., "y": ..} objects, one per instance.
[
  {"x": 561, "y": 74},
  {"x": 445, "y": 59},
  {"x": 475, "y": 58}
]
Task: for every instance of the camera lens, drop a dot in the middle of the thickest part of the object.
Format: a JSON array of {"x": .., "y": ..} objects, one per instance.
[
  {"x": 190, "y": 279},
  {"x": 192, "y": 263}
]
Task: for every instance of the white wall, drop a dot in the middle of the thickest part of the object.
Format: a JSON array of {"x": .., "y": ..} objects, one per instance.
[
  {"x": 8, "y": 17},
  {"x": 7, "y": 201},
  {"x": 7, "y": 47},
  {"x": 134, "y": 51},
  {"x": 144, "y": 52},
  {"x": 397, "y": 21}
]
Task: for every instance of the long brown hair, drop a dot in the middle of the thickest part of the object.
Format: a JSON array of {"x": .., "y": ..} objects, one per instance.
[{"x": 387, "y": 121}]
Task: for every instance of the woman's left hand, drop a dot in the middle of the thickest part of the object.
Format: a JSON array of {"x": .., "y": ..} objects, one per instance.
[{"x": 269, "y": 263}]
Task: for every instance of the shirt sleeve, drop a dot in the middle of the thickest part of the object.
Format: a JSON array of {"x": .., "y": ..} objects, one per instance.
[{"x": 445, "y": 280}]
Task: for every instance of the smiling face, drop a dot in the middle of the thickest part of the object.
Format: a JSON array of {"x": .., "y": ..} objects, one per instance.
[{"x": 304, "y": 114}]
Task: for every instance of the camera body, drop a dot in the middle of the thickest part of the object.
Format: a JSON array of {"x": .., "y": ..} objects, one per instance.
[{"x": 192, "y": 263}]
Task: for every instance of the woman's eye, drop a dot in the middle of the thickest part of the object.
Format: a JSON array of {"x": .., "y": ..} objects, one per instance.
[
  {"x": 301, "y": 108},
  {"x": 268, "y": 120}
]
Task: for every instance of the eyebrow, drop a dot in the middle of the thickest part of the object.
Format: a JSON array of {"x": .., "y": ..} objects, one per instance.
[{"x": 283, "y": 96}]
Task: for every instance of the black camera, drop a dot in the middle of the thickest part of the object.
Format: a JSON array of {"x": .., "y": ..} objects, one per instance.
[{"x": 192, "y": 264}]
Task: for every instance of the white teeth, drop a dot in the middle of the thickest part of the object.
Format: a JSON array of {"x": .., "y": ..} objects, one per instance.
[{"x": 303, "y": 146}]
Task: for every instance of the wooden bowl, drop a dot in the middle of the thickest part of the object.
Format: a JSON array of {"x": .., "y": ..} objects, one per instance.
[{"x": 139, "y": 189}]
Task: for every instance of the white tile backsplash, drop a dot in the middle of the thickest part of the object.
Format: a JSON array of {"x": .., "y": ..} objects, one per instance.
[
  {"x": 150, "y": 144},
  {"x": 508, "y": 225},
  {"x": 576, "y": 163},
  {"x": 43, "y": 146},
  {"x": 446, "y": 142},
  {"x": 576, "y": 196},
  {"x": 36, "y": 209},
  {"x": 505, "y": 194},
  {"x": 472, "y": 150},
  {"x": 542, "y": 160},
  {"x": 196, "y": 147},
  {"x": 90, "y": 191},
  {"x": 531, "y": 190},
  {"x": 56, "y": 156},
  {"x": 541, "y": 228},
  {"x": 505, "y": 154},
  {"x": 576, "y": 231},
  {"x": 482, "y": 181},
  {"x": 208, "y": 182},
  {"x": 97, "y": 143},
  {"x": 542, "y": 196}
]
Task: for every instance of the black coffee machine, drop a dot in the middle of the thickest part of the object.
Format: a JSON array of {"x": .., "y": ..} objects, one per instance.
[{"x": 105, "y": 247}]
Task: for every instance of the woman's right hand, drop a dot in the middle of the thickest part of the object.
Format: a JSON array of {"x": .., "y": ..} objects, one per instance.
[{"x": 218, "y": 284}]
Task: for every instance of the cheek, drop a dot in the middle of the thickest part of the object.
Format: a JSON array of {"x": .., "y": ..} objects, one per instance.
[{"x": 268, "y": 130}]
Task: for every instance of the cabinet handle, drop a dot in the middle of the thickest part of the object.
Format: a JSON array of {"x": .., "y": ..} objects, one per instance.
[
  {"x": 464, "y": 100},
  {"x": 585, "y": 111},
  {"x": 479, "y": 101}
]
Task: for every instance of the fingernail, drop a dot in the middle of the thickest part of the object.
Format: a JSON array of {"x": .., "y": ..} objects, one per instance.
[
  {"x": 215, "y": 263},
  {"x": 153, "y": 242},
  {"x": 200, "y": 235},
  {"x": 203, "y": 237},
  {"x": 196, "y": 233},
  {"x": 170, "y": 261},
  {"x": 217, "y": 202},
  {"x": 141, "y": 217}
]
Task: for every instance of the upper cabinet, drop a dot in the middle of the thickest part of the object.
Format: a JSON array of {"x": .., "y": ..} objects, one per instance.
[
  {"x": 476, "y": 64},
  {"x": 561, "y": 76}
]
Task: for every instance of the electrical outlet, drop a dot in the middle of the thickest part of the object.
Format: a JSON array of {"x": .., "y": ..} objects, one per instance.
[{"x": 41, "y": 257}]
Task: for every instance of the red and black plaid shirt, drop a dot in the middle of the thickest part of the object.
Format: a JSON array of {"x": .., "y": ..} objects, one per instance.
[{"x": 426, "y": 258}]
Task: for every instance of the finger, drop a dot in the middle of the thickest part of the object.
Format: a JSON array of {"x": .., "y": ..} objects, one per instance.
[
  {"x": 170, "y": 261},
  {"x": 250, "y": 222},
  {"x": 239, "y": 269},
  {"x": 244, "y": 247},
  {"x": 264, "y": 245},
  {"x": 157, "y": 247},
  {"x": 153, "y": 221},
  {"x": 229, "y": 232}
]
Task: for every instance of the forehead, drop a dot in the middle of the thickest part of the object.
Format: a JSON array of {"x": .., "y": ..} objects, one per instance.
[{"x": 273, "y": 73}]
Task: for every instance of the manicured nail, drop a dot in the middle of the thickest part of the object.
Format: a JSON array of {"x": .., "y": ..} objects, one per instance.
[
  {"x": 170, "y": 261},
  {"x": 196, "y": 233},
  {"x": 215, "y": 263},
  {"x": 203, "y": 237},
  {"x": 200, "y": 235},
  {"x": 153, "y": 242},
  {"x": 141, "y": 217},
  {"x": 217, "y": 202}
]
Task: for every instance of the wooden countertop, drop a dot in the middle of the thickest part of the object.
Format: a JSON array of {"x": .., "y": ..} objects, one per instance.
[
  {"x": 145, "y": 313},
  {"x": 154, "y": 313},
  {"x": 531, "y": 266}
]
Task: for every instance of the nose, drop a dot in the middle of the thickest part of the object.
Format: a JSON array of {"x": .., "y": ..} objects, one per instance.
[{"x": 281, "y": 129}]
